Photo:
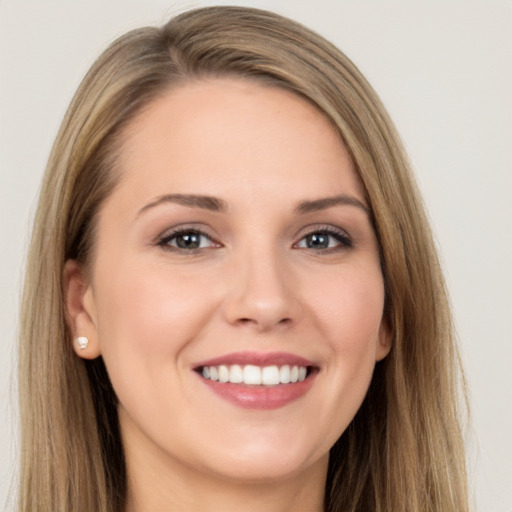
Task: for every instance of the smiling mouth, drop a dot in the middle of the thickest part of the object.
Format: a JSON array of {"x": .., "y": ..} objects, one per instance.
[
  {"x": 258, "y": 381},
  {"x": 253, "y": 375}
]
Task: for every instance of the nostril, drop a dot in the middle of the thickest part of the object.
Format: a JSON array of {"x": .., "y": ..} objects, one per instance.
[{"x": 253, "y": 321}]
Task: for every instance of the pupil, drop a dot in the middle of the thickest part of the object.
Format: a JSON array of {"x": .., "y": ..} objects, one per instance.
[
  {"x": 318, "y": 241},
  {"x": 188, "y": 241}
]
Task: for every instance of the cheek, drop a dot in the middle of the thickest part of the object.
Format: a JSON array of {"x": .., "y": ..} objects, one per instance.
[
  {"x": 349, "y": 313},
  {"x": 145, "y": 321},
  {"x": 350, "y": 307}
]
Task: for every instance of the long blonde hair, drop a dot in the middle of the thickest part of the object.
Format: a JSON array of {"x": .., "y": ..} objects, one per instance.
[{"x": 403, "y": 451}]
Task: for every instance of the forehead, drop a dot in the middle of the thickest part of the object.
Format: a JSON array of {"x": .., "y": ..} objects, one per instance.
[{"x": 216, "y": 135}]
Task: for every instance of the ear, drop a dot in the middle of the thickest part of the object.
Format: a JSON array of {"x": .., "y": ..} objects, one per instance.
[
  {"x": 384, "y": 343},
  {"x": 80, "y": 310}
]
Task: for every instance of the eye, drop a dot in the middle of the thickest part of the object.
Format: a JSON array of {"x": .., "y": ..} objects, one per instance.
[
  {"x": 186, "y": 240},
  {"x": 325, "y": 239}
]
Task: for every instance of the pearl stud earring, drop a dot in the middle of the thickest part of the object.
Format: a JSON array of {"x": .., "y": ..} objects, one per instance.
[{"x": 82, "y": 342}]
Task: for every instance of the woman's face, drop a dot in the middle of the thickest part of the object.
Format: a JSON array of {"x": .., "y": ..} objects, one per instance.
[{"x": 237, "y": 246}]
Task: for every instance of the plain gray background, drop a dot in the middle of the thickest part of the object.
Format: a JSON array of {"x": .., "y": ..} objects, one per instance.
[{"x": 442, "y": 68}]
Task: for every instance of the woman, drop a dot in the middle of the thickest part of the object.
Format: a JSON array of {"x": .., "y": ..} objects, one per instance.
[{"x": 241, "y": 302}]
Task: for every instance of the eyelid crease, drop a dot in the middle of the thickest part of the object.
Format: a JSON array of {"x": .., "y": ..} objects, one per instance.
[{"x": 322, "y": 228}]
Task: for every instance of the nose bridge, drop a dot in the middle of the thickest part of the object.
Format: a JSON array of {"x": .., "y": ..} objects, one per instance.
[{"x": 261, "y": 289}]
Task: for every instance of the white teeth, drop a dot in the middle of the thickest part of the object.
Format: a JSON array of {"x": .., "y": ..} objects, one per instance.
[
  {"x": 223, "y": 374},
  {"x": 270, "y": 375},
  {"x": 252, "y": 374},
  {"x": 236, "y": 374},
  {"x": 284, "y": 374},
  {"x": 255, "y": 375}
]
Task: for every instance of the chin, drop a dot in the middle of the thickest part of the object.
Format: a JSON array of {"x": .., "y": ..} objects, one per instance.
[{"x": 265, "y": 462}]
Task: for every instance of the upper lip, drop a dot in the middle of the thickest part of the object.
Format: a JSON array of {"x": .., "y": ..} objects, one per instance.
[{"x": 256, "y": 359}]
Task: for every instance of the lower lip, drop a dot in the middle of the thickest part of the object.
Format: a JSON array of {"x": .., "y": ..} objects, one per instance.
[{"x": 260, "y": 397}]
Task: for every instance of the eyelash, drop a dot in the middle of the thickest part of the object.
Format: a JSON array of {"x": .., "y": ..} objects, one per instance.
[
  {"x": 343, "y": 239},
  {"x": 165, "y": 240}
]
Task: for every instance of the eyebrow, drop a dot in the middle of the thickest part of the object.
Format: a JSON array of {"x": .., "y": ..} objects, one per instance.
[
  {"x": 193, "y": 201},
  {"x": 218, "y": 205},
  {"x": 328, "y": 202}
]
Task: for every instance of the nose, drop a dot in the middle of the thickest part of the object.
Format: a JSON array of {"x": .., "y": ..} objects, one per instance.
[{"x": 262, "y": 293}]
